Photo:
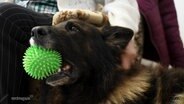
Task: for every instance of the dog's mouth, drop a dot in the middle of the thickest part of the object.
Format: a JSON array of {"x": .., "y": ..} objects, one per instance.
[{"x": 63, "y": 76}]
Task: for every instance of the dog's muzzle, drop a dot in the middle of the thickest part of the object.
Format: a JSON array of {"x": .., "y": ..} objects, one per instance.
[{"x": 65, "y": 73}]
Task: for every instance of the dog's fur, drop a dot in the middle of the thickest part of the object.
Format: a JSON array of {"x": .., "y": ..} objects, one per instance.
[{"x": 91, "y": 72}]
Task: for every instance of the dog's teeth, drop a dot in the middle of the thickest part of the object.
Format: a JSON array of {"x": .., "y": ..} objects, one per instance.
[
  {"x": 59, "y": 70},
  {"x": 67, "y": 67},
  {"x": 31, "y": 41}
]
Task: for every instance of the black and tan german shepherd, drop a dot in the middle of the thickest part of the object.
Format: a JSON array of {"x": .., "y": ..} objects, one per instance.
[{"x": 91, "y": 71}]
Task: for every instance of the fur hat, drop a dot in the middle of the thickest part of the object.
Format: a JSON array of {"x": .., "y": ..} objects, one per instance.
[{"x": 96, "y": 18}]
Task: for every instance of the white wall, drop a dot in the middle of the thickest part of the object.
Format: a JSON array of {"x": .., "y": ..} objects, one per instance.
[{"x": 180, "y": 13}]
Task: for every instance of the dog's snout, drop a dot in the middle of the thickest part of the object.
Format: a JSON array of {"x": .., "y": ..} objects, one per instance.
[{"x": 39, "y": 31}]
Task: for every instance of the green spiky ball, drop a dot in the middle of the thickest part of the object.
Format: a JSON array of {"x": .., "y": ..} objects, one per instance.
[{"x": 40, "y": 63}]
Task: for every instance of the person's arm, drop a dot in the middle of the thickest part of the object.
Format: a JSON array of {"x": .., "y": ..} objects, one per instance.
[{"x": 170, "y": 23}]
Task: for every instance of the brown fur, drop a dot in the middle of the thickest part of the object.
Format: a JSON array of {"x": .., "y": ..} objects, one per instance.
[
  {"x": 131, "y": 89},
  {"x": 112, "y": 84},
  {"x": 179, "y": 99},
  {"x": 127, "y": 90}
]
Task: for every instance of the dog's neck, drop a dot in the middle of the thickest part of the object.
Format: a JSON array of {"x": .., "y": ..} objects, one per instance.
[
  {"x": 131, "y": 89},
  {"x": 98, "y": 94},
  {"x": 92, "y": 91}
]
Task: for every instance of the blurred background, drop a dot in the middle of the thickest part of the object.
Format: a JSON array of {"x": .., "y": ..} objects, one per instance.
[{"x": 180, "y": 12}]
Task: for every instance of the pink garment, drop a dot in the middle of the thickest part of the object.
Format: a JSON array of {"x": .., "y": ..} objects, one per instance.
[{"x": 161, "y": 19}]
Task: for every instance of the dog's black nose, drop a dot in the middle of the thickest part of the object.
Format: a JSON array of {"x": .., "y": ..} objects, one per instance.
[{"x": 39, "y": 31}]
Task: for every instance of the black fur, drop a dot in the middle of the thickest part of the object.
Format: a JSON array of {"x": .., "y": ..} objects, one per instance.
[{"x": 93, "y": 54}]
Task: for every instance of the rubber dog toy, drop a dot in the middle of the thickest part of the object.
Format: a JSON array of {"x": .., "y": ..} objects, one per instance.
[{"x": 40, "y": 63}]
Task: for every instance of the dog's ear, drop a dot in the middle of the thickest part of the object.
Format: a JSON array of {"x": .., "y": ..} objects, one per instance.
[{"x": 116, "y": 36}]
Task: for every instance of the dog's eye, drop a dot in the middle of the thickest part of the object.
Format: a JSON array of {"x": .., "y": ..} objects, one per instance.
[{"x": 71, "y": 27}]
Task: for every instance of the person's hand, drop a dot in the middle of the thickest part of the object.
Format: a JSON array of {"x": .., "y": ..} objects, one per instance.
[{"x": 129, "y": 55}]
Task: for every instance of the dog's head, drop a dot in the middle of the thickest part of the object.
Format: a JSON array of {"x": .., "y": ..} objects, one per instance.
[{"x": 86, "y": 49}]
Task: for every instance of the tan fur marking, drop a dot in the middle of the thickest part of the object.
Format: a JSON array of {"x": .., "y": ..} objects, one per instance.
[
  {"x": 159, "y": 92},
  {"x": 179, "y": 99},
  {"x": 131, "y": 89}
]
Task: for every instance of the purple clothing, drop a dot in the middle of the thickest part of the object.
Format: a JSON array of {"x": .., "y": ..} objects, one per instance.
[{"x": 161, "y": 19}]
